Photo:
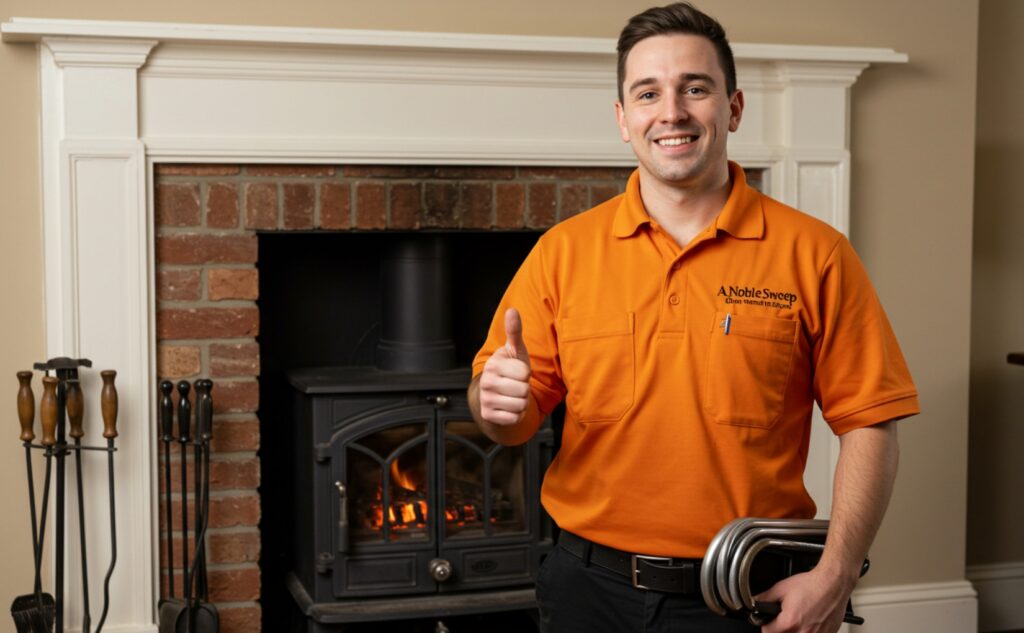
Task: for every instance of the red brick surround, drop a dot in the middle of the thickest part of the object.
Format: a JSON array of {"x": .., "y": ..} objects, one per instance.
[{"x": 207, "y": 321}]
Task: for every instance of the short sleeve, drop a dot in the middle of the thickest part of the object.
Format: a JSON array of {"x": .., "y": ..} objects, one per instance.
[
  {"x": 532, "y": 293},
  {"x": 860, "y": 375}
]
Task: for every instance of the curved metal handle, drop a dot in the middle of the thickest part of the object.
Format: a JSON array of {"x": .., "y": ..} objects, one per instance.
[{"x": 342, "y": 516}]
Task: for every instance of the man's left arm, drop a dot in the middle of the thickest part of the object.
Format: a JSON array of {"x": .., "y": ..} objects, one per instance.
[{"x": 814, "y": 602}]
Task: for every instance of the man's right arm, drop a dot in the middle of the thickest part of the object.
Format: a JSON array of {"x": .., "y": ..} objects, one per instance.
[{"x": 500, "y": 397}]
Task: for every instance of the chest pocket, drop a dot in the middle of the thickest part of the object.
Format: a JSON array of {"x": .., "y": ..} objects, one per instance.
[
  {"x": 598, "y": 365},
  {"x": 748, "y": 369}
]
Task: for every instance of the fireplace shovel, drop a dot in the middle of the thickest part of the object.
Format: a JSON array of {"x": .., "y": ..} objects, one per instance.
[
  {"x": 33, "y": 613},
  {"x": 192, "y": 613}
]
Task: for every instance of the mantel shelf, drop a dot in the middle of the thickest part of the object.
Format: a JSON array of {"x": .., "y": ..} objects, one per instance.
[{"x": 35, "y": 29}]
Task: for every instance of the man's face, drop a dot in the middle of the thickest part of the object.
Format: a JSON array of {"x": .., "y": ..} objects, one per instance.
[{"x": 675, "y": 111}]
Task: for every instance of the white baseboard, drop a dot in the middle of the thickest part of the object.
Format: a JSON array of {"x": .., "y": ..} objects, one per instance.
[
  {"x": 1000, "y": 589},
  {"x": 940, "y": 607}
]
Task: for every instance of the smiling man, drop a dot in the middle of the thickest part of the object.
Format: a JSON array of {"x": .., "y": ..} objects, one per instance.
[{"x": 690, "y": 325}]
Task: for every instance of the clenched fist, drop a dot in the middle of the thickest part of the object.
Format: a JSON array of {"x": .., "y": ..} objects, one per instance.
[{"x": 505, "y": 380}]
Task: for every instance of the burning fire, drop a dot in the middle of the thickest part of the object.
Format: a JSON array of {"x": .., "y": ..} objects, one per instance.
[{"x": 408, "y": 508}]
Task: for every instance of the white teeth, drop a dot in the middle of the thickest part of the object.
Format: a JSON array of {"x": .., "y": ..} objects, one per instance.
[{"x": 676, "y": 141}]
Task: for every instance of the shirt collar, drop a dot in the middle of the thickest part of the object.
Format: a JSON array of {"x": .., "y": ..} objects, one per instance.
[{"x": 742, "y": 215}]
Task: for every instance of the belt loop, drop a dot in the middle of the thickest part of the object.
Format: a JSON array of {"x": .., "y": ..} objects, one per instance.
[{"x": 588, "y": 547}]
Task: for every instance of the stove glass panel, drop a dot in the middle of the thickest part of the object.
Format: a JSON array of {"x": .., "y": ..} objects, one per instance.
[
  {"x": 388, "y": 474},
  {"x": 484, "y": 484}
]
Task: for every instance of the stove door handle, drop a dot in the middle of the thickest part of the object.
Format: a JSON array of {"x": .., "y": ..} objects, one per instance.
[{"x": 342, "y": 517}]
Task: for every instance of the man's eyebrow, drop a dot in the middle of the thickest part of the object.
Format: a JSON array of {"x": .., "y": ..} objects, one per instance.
[
  {"x": 687, "y": 77},
  {"x": 699, "y": 77},
  {"x": 646, "y": 81}
]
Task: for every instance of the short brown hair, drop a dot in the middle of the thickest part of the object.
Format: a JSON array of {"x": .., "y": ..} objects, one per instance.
[{"x": 681, "y": 17}]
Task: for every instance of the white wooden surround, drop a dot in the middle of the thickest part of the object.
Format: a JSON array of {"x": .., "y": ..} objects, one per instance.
[{"x": 117, "y": 97}]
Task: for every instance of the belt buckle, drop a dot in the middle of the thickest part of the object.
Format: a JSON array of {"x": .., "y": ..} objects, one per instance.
[{"x": 635, "y": 573}]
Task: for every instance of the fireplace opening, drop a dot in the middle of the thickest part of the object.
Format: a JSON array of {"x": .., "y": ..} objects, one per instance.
[{"x": 324, "y": 302}]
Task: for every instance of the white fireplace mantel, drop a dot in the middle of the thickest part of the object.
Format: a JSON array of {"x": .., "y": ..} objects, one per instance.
[{"x": 117, "y": 97}]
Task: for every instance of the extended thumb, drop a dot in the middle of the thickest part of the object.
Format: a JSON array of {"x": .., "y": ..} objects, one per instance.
[{"x": 514, "y": 335}]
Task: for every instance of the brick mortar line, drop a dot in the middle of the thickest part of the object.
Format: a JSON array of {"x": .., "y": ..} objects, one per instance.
[
  {"x": 202, "y": 267},
  {"x": 235, "y": 529},
  {"x": 218, "y": 457},
  {"x": 219, "y": 494},
  {"x": 232, "y": 566},
  {"x": 204, "y": 341},
  {"x": 164, "y": 230},
  {"x": 235, "y": 604},
  {"x": 233, "y": 457},
  {"x": 221, "y": 303}
]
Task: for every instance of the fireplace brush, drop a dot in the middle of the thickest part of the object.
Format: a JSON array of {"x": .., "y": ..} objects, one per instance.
[
  {"x": 192, "y": 612},
  {"x": 62, "y": 409}
]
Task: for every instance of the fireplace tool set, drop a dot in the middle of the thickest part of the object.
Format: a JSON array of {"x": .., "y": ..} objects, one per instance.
[
  {"x": 748, "y": 556},
  {"x": 61, "y": 410},
  {"x": 192, "y": 613}
]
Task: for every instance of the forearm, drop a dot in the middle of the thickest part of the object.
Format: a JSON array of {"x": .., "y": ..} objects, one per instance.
[
  {"x": 863, "y": 484},
  {"x": 505, "y": 434}
]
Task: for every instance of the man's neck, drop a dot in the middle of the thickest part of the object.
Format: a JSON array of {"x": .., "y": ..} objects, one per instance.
[{"x": 683, "y": 211}]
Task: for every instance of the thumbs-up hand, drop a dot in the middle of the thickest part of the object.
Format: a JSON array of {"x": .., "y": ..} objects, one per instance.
[{"x": 505, "y": 381}]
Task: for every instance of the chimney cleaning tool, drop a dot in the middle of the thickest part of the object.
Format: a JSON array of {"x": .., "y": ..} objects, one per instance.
[
  {"x": 108, "y": 407},
  {"x": 76, "y": 411},
  {"x": 749, "y": 555},
  {"x": 167, "y": 436},
  {"x": 33, "y": 613}
]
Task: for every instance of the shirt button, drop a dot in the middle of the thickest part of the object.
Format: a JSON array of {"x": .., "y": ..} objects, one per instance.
[
  {"x": 677, "y": 265},
  {"x": 673, "y": 299}
]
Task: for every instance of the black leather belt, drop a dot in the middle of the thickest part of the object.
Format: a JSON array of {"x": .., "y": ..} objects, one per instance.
[{"x": 657, "y": 573}]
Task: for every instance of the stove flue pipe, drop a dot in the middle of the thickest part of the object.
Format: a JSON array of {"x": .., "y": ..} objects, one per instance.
[{"x": 416, "y": 306}]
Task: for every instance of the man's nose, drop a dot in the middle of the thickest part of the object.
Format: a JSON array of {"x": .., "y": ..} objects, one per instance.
[{"x": 673, "y": 108}]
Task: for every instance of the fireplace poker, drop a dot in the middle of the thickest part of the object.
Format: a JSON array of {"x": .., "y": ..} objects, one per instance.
[
  {"x": 33, "y": 613},
  {"x": 167, "y": 436},
  {"x": 204, "y": 428},
  {"x": 184, "y": 421},
  {"x": 76, "y": 411},
  {"x": 197, "y": 475},
  {"x": 108, "y": 407}
]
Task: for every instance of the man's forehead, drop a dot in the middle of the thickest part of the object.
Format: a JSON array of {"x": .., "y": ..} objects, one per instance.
[{"x": 677, "y": 54}]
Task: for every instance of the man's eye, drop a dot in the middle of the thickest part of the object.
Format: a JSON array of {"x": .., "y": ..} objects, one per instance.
[
  {"x": 695, "y": 90},
  {"x": 646, "y": 95}
]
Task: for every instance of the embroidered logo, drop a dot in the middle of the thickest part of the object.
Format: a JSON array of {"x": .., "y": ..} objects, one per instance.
[{"x": 749, "y": 295}]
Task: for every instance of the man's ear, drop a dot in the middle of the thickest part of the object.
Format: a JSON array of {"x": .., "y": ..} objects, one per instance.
[
  {"x": 736, "y": 110},
  {"x": 620, "y": 118}
]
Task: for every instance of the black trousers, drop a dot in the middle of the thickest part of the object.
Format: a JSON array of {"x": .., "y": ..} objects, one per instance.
[{"x": 577, "y": 598}]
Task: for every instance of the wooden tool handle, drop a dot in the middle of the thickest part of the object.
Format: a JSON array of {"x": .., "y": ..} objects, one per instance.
[
  {"x": 76, "y": 409},
  {"x": 108, "y": 403},
  {"x": 48, "y": 410},
  {"x": 26, "y": 406}
]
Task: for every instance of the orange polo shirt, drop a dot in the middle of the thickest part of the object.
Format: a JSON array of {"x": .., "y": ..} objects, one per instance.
[{"x": 689, "y": 374}]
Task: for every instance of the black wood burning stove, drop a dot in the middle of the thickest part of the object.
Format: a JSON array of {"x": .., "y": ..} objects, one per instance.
[{"x": 403, "y": 508}]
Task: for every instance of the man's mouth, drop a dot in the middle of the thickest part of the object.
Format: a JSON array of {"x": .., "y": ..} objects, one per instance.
[{"x": 675, "y": 140}]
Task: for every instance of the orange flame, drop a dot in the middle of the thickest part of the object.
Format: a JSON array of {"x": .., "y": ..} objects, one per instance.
[{"x": 401, "y": 479}]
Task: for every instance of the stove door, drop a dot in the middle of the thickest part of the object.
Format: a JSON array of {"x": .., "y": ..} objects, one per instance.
[
  {"x": 488, "y": 529},
  {"x": 386, "y": 519}
]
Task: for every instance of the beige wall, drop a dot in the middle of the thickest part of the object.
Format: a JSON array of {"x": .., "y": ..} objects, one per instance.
[
  {"x": 996, "y": 516},
  {"x": 912, "y": 204}
]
